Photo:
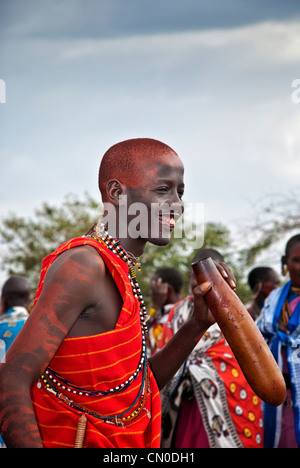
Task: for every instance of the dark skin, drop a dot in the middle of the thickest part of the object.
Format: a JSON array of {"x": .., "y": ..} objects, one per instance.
[
  {"x": 162, "y": 293},
  {"x": 261, "y": 291},
  {"x": 80, "y": 298},
  {"x": 292, "y": 261}
]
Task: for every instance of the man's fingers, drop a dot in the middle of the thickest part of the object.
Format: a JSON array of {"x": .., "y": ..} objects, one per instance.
[
  {"x": 227, "y": 274},
  {"x": 203, "y": 288}
]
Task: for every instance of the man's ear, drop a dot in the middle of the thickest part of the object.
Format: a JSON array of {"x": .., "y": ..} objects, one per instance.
[
  {"x": 115, "y": 190},
  {"x": 284, "y": 269}
]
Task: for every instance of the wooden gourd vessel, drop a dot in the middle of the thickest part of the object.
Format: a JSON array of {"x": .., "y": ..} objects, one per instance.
[{"x": 244, "y": 338}]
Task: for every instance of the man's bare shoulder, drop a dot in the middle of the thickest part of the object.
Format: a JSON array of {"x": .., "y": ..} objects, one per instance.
[
  {"x": 76, "y": 276},
  {"x": 78, "y": 260}
]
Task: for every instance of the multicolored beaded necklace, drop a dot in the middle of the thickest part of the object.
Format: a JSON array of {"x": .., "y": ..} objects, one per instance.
[{"x": 54, "y": 383}]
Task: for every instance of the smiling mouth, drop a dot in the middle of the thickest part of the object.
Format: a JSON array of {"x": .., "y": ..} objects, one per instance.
[{"x": 169, "y": 219}]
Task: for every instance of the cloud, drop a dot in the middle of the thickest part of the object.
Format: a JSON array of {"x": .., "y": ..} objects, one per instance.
[
  {"x": 117, "y": 18},
  {"x": 219, "y": 93},
  {"x": 181, "y": 63}
]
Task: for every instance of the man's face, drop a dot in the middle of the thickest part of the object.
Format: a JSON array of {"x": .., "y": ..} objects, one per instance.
[
  {"x": 272, "y": 283},
  {"x": 293, "y": 264},
  {"x": 156, "y": 204}
]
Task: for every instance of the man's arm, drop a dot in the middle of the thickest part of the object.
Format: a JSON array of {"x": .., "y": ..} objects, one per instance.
[{"x": 69, "y": 288}]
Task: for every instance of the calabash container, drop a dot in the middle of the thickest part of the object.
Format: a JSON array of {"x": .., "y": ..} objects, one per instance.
[{"x": 244, "y": 338}]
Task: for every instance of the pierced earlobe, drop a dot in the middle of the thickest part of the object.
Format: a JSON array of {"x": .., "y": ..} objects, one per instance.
[{"x": 284, "y": 270}]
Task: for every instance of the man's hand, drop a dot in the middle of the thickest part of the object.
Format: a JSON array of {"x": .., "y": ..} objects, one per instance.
[
  {"x": 201, "y": 313},
  {"x": 159, "y": 293}
]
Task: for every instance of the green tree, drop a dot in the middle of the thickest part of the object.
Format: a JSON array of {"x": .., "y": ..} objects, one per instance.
[{"x": 27, "y": 241}]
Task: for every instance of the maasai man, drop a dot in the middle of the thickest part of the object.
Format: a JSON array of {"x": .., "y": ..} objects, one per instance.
[
  {"x": 262, "y": 280},
  {"x": 77, "y": 374},
  {"x": 280, "y": 323}
]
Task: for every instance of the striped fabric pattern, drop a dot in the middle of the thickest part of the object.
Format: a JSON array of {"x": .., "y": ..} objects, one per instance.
[{"x": 100, "y": 362}]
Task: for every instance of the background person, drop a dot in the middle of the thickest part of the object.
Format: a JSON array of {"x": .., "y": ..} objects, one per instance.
[
  {"x": 15, "y": 301},
  {"x": 166, "y": 286},
  {"x": 280, "y": 324},
  {"x": 261, "y": 280}
]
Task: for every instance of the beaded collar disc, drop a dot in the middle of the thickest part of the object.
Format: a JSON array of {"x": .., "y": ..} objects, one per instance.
[{"x": 55, "y": 384}]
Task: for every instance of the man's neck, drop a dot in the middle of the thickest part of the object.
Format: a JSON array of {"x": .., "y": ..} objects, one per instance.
[{"x": 133, "y": 246}]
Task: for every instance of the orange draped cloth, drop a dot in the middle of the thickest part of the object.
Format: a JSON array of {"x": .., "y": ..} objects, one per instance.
[{"x": 99, "y": 363}]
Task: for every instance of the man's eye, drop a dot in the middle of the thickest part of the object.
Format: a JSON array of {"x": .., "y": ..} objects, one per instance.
[{"x": 162, "y": 189}]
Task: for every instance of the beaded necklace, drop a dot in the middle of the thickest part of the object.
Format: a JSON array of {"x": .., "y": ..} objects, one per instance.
[
  {"x": 53, "y": 382},
  {"x": 114, "y": 246}
]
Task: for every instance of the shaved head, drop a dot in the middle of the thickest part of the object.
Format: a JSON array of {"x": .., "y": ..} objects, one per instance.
[{"x": 125, "y": 161}]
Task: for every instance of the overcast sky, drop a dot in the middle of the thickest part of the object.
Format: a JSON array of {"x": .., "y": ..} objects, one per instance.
[{"x": 212, "y": 79}]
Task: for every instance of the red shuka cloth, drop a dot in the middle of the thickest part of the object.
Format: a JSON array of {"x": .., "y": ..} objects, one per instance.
[{"x": 100, "y": 362}]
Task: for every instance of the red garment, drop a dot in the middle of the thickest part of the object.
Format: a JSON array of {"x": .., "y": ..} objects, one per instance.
[
  {"x": 190, "y": 430},
  {"x": 244, "y": 406},
  {"x": 100, "y": 362}
]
